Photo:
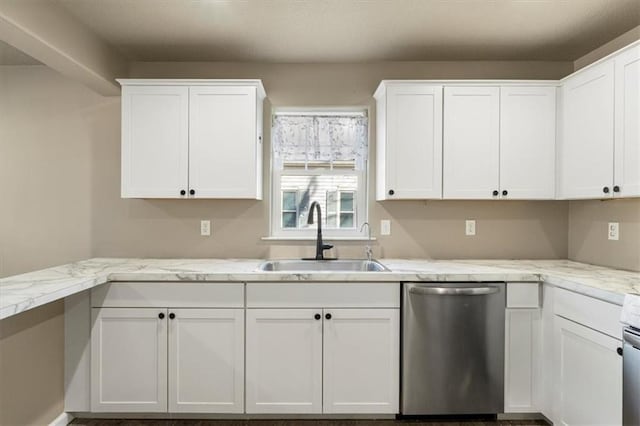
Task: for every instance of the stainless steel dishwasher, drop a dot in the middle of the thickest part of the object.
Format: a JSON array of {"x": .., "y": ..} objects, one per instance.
[{"x": 452, "y": 348}]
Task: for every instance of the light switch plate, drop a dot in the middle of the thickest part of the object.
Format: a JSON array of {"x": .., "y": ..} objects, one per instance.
[
  {"x": 385, "y": 227},
  {"x": 614, "y": 231},
  {"x": 470, "y": 227},
  {"x": 205, "y": 228}
]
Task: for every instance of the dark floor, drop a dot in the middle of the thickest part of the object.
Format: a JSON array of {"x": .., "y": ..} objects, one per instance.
[{"x": 440, "y": 422}]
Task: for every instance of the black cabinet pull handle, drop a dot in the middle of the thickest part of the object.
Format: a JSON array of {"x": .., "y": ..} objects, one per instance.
[
  {"x": 605, "y": 189},
  {"x": 328, "y": 316},
  {"x": 161, "y": 315},
  {"x": 391, "y": 192},
  {"x": 504, "y": 193},
  {"x": 317, "y": 316},
  {"x": 495, "y": 193},
  {"x": 172, "y": 315},
  {"x": 619, "y": 351},
  {"x": 192, "y": 191},
  {"x": 183, "y": 192},
  {"x": 616, "y": 188}
]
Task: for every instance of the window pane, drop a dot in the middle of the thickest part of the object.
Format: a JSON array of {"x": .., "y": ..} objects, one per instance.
[
  {"x": 346, "y": 220},
  {"x": 346, "y": 201},
  {"x": 289, "y": 200},
  {"x": 289, "y": 220},
  {"x": 320, "y": 188}
]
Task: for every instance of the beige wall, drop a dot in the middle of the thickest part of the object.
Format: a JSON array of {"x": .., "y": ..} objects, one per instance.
[
  {"x": 32, "y": 366},
  {"x": 588, "y": 239},
  {"x": 45, "y": 220}
]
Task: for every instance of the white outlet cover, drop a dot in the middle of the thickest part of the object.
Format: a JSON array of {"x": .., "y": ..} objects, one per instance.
[
  {"x": 385, "y": 227},
  {"x": 470, "y": 227},
  {"x": 205, "y": 228},
  {"x": 613, "y": 232}
]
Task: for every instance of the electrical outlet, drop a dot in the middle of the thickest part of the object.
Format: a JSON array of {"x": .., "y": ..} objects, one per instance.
[
  {"x": 205, "y": 228},
  {"x": 614, "y": 231},
  {"x": 385, "y": 227},
  {"x": 470, "y": 227}
]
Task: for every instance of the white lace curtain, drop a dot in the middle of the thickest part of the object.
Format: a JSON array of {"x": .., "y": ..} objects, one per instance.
[{"x": 319, "y": 138}]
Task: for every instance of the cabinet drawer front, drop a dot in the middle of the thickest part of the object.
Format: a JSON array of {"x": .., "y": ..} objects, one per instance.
[
  {"x": 523, "y": 295},
  {"x": 326, "y": 295},
  {"x": 593, "y": 313},
  {"x": 169, "y": 294}
]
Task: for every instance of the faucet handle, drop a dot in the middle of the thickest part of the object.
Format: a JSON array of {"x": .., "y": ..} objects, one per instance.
[{"x": 327, "y": 246}]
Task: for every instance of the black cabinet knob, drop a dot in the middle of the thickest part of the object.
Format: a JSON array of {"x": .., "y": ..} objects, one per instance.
[
  {"x": 183, "y": 192},
  {"x": 504, "y": 193},
  {"x": 161, "y": 315},
  {"x": 495, "y": 193},
  {"x": 605, "y": 189},
  {"x": 391, "y": 192},
  {"x": 192, "y": 191},
  {"x": 317, "y": 316},
  {"x": 619, "y": 351},
  {"x": 328, "y": 316},
  {"x": 616, "y": 188},
  {"x": 172, "y": 315}
]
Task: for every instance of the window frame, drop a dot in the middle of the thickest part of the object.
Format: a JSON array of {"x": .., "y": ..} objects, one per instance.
[{"x": 361, "y": 194}]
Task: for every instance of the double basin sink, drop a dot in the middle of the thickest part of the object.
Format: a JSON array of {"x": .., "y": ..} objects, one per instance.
[{"x": 338, "y": 265}]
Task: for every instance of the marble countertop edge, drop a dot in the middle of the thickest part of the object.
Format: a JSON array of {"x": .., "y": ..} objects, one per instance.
[{"x": 27, "y": 291}]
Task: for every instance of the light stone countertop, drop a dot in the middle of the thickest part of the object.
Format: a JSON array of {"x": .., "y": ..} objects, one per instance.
[{"x": 27, "y": 291}]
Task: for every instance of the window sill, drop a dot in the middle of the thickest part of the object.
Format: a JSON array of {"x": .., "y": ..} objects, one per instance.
[{"x": 324, "y": 238}]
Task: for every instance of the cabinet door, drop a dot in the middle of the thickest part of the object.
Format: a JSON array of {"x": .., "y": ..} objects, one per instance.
[
  {"x": 361, "y": 361},
  {"x": 527, "y": 142},
  {"x": 206, "y": 360},
  {"x": 284, "y": 361},
  {"x": 589, "y": 376},
  {"x": 522, "y": 333},
  {"x": 413, "y": 166},
  {"x": 222, "y": 142},
  {"x": 586, "y": 146},
  {"x": 129, "y": 360},
  {"x": 155, "y": 141},
  {"x": 471, "y": 142},
  {"x": 627, "y": 123}
]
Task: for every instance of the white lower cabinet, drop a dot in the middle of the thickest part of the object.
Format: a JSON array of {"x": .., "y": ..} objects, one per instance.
[
  {"x": 322, "y": 361},
  {"x": 129, "y": 360},
  {"x": 361, "y": 361},
  {"x": 522, "y": 334},
  {"x": 206, "y": 360},
  {"x": 588, "y": 374},
  {"x": 284, "y": 361},
  {"x": 159, "y": 360}
]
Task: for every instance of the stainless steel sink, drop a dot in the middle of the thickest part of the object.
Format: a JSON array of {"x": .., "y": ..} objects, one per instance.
[{"x": 339, "y": 265}]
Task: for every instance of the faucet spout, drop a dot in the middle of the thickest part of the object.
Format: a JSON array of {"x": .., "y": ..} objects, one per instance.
[
  {"x": 320, "y": 246},
  {"x": 367, "y": 248}
]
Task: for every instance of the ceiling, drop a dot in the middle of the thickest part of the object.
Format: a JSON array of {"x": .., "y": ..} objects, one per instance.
[
  {"x": 355, "y": 30},
  {"x": 9, "y": 55}
]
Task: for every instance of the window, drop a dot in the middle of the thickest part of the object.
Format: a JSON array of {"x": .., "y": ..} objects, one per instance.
[{"x": 319, "y": 156}]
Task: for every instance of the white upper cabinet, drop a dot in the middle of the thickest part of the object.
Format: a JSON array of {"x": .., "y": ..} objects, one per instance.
[
  {"x": 626, "y": 179},
  {"x": 409, "y": 141},
  {"x": 586, "y": 148},
  {"x": 471, "y": 142},
  {"x": 192, "y": 138},
  {"x": 155, "y": 141},
  {"x": 224, "y": 142},
  {"x": 527, "y": 142}
]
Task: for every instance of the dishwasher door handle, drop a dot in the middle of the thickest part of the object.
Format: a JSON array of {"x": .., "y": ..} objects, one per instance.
[{"x": 454, "y": 291}]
